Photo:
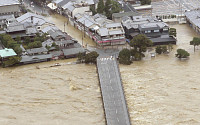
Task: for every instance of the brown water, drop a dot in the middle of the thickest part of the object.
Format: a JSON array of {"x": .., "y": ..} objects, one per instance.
[
  {"x": 63, "y": 95},
  {"x": 165, "y": 90}
]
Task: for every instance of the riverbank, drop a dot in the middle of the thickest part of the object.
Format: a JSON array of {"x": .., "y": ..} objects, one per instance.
[{"x": 55, "y": 95}]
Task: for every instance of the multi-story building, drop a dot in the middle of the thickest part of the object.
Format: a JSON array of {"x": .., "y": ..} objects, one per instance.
[{"x": 9, "y": 7}]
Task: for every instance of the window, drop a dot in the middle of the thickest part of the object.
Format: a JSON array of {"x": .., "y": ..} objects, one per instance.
[
  {"x": 165, "y": 29},
  {"x": 147, "y": 31},
  {"x": 156, "y": 31}
]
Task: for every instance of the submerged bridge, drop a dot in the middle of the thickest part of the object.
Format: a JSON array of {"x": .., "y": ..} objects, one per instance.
[{"x": 114, "y": 102}]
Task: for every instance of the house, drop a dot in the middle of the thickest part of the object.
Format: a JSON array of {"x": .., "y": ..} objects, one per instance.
[
  {"x": 22, "y": 30},
  {"x": 37, "y": 20},
  {"x": 57, "y": 54},
  {"x": 73, "y": 52},
  {"x": 37, "y": 51},
  {"x": 4, "y": 19},
  {"x": 155, "y": 30},
  {"x": 35, "y": 59},
  {"x": 193, "y": 19},
  {"x": 102, "y": 30},
  {"x": 9, "y": 7},
  {"x": 6, "y": 53},
  {"x": 55, "y": 33},
  {"x": 117, "y": 17}
]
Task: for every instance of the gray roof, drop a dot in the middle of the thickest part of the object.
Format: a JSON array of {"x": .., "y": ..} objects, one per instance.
[
  {"x": 8, "y": 2},
  {"x": 119, "y": 15},
  {"x": 152, "y": 26},
  {"x": 36, "y": 50},
  {"x": 73, "y": 51},
  {"x": 4, "y": 17},
  {"x": 56, "y": 53},
  {"x": 194, "y": 17},
  {"x": 56, "y": 34},
  {"x": 48, "y": 42},
  {"x": 37, "y": 19},
  {"x": 163, "y": 39},
  {"x": 35, "y": 58},
  {"x": 111, "y": 25},
  {"x": 14, "y": 27},
  {"x": 64, "y": 42},
  {"x": 31, "y": 30},
  {"x": 103, "y": 31},
  {"x": 114, "y": 32}
]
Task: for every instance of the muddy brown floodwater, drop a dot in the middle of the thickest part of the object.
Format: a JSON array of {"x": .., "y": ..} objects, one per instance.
[
  {"x": 165, "y": 90},
  {"x": 63, "y": 95}
]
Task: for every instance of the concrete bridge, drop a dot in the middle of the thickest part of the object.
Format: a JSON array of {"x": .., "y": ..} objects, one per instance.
[{"x": 114, "y": 102}]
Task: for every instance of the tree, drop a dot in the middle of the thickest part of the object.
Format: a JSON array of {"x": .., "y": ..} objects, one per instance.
[
  {"x": 81, "y": 57},
  {"x": 140, "y": 44},
  {"x": 124, "y": 57},
  {"x": 136, "y": 55},
  {"x": 92, "y": 8},
  {"x": 18, "y": 50},
  {"x": 161, "y": 49},
  {"x": 108, "y": 6},
  {"x": 181, "y": 53},
  {"x": 18, "y": 39},
  {"x": 91, "y": 57},
  {"x": 100, "y": 7},
  {"x": 11, "y": 61},
  {"x": 158, "y": 49},
  {"x": 145, "y": 2},
  {"x": 195, "y": 42},
  {"x": 27, "y": 39},
  {"x": 172, "y": 32}
]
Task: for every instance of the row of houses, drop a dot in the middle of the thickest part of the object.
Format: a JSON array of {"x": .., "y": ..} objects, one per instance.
[
  {"x": 57, "y": 44},
  {"x": 123, "y": 26}
]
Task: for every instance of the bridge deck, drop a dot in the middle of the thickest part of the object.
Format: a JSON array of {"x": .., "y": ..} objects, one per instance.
[{"x": 112, "y": 92}]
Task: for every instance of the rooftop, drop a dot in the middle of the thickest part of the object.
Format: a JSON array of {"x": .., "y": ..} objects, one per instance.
[
  {"x": 73, "y": 51},
  {"x": 36, "y": 50},
  {"x": 7, "y": 53},
  {"x": 8, "y": 2},
  {"x": 194, "y": 17}
]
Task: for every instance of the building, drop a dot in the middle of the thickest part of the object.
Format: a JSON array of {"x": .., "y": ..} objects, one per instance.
[
  {"x": 37, "y": 51},
  {"x": 193, "y": 18},
  {"x": 22, "y": 30},
  {"x": 37, "y": 20},
  {"x": 35, "y": 59},
  {"x": 102, "y": 30},
  {"x": 155, "y": 30},
  {"x": 9, "y": 7},
  {"x": 73, "y": 52},
  {"x": 4, "y": 19},
  {"x": 6, "y": 53}
]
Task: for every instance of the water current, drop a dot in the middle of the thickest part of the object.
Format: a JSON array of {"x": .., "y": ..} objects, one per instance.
[{"x": 159, "y": 91}]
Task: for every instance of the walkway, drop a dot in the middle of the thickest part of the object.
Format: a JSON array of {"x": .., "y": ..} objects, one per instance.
[{"x": 115, "y": 107}]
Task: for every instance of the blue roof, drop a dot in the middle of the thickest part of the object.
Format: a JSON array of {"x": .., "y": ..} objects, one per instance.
[{"x": 7, "y": 53}]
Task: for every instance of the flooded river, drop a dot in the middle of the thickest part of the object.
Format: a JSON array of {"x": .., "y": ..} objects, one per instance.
[
  {"x": 165, "y": 90},
  {"x": 159, "y": 91},
  {"x": 63, "y": 95}
]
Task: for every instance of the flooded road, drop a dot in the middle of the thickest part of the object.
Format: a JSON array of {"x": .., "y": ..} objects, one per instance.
[
  {"x": 63, "y": 95},
  {"x": 73, "y": 32},
  {"x": 165, "y": 90}
]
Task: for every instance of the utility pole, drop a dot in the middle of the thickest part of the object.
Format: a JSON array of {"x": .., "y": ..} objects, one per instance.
[{"x": 64, "y": 26}]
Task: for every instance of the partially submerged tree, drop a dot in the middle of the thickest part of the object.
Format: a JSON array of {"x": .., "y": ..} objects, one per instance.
[
  {"x": 172, "y": 32},
  {"x": 124, "y": 57},
  {"x": 195, "y": 42},
  {"x": 140, "y": 44},
  {"x": 181, "y": 53},
  {"x": 145, "y": 2}
]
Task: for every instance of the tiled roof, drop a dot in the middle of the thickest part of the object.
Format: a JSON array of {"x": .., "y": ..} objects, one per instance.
[{"x": 7, "y": 53}]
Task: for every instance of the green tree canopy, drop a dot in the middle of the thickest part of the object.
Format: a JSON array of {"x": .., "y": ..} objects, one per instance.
[
  {"x": 145, "y": 2},
  {"x": 11, "y": 61},
  {"x": 91, "y": 57},
  {"x": 181, "y": 53},
  {"x": 195, "y": 42},
  {"x": 100, "y": 7},
  {"x": 140, "y": 43},
  {"x": 172, "y": 32},
  {"x": 161, "y": 49},
  {"x": 124, "y": 57}
]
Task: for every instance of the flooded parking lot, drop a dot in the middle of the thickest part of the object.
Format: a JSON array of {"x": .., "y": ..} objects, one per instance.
[
  {"x": 165, "y": 90},
  {"x": 63, "y": 95}
]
